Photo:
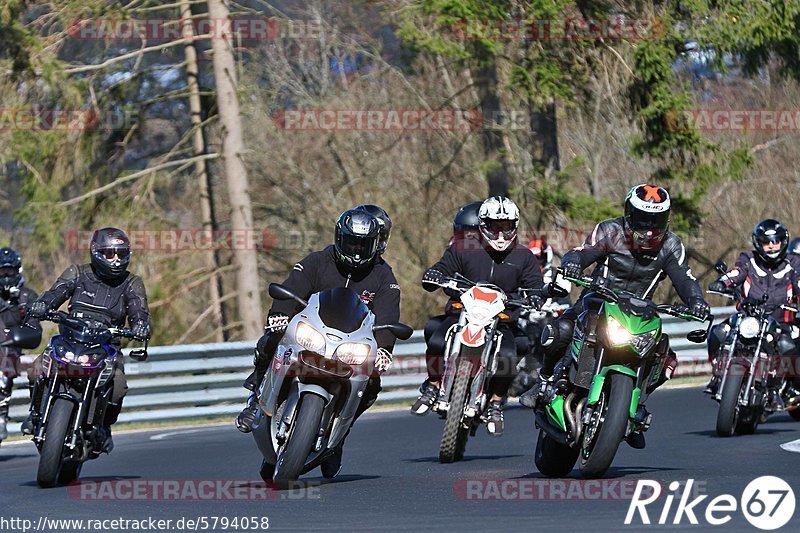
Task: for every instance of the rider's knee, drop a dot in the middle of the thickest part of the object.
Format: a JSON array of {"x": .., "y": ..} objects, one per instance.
[{"x": 556, "y": 335}]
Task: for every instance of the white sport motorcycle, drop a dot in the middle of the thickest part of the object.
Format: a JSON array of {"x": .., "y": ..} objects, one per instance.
[{"x": 311, "y": 392}]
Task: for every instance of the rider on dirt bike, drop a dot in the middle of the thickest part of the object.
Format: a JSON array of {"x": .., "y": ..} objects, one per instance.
[
  {"x": 499, "y": 260},
  {"x": 633, "y": 253},
  {"x": 765, "y": 270},
  {"x": 14, "y": 297},
  {"x": 105, "y": 291},
  {"x": 352, "y": 262}
]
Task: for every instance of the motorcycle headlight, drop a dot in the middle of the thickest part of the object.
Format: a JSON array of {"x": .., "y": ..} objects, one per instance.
[
  {"x": 352, "y": 353},
  {"x": 309, "y": 338},
  {"x": 617, "y": 335},
  {"x": 64, "y": 353},
  {"x": 749, "y": 327}
]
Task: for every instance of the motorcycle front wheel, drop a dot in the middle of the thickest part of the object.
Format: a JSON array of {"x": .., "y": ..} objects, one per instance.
[{"x": 292, "y": 458}]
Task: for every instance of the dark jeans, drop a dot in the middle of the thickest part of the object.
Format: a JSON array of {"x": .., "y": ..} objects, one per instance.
[{"x": 513, "y": 342}]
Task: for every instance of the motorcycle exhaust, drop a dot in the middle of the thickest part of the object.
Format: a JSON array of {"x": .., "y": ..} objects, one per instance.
[
  {"x": 569, "y": 414},
  {"x": 579, "y": 417}
]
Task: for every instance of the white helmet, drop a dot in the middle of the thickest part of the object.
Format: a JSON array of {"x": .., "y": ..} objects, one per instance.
[{"x": 499, "y": 218}]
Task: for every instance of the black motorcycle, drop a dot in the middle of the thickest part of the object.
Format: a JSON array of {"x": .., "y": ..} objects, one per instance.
[
  {"x": 74, "y": 392},
  {"x": 747, "y": 366}
]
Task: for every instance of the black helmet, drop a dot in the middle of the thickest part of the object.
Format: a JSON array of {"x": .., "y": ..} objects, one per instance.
[
  {"x": 10, "y": 269},
  {"x": 647, "y": 217},
  {"x": 794, "y": 246},
  {"x": 356, "y": 239},
  {"x": 111, "y": 252},
  {"x": 770, "y": 231},
  {"x": 384, "y": 221},
  {"x": 467, "y": 218}
]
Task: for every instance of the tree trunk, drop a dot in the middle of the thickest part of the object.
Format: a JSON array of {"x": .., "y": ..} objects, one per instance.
[
  {"x": 496, "y": 170},
  {"x": 544, "y": 138},
  {"x": 244, "y": 251},
  {"x": 217, "y": 314}
]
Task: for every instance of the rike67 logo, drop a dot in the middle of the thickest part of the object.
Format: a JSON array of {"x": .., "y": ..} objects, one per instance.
[{"x": 767, "y": 503}]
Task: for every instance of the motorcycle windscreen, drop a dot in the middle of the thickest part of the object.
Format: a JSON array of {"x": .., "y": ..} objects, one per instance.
[{"x": 342, "y": 309}]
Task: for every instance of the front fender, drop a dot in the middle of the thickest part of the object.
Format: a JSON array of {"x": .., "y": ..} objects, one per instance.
[{"x": 599, "y": 381}]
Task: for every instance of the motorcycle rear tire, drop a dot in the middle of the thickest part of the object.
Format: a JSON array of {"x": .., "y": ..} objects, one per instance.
[{"x": 554, "y": 459}]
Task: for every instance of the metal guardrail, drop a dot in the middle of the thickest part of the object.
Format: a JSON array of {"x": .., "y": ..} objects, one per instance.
[{"x": 204, "y": 380}]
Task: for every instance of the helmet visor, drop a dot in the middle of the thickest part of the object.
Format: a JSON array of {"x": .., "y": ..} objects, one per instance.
[
  {"x": 115, "y": 253},
  {"x": 8, "y": 271},
  {"x": 764, "y": 240},
  {"x": 357, "y": 247},
  {"x": 643, "y": 221},
  {"x": 496, "y": 228}
]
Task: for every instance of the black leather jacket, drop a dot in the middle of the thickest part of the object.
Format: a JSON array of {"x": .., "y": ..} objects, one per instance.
[
  {"x": 92, "y": 298},
  {"x": 376, "y": 286},
  {"x": 636, "y": 272},
  {"x": 511, "y": 270}
]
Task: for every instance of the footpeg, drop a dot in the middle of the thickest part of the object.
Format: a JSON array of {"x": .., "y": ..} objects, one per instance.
[{"x": 643, "y": 418}]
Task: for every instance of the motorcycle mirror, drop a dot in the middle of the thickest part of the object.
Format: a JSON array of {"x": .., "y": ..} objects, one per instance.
[
  {"x": 721, "y": 267},
  {"x": 697, "y": 336},
  {"x": 279, "y": 292},
  {"x": 23, "y": 337},
  {"x": 401, "y": 331}
]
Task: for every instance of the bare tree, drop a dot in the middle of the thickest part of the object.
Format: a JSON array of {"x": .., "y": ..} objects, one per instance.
[
  {"x": 245, "y": 258},
  {"x": 201, "y": 172}
]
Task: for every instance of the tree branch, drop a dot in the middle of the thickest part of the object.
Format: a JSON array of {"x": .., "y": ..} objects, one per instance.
[
  {"x": 131, "y": 177},
  {"x": 129, "y": 55}
]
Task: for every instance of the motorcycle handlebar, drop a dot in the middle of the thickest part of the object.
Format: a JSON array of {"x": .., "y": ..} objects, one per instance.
[
  {"x": 60, "y": 317},
  {"x": 609, "y": 294}
]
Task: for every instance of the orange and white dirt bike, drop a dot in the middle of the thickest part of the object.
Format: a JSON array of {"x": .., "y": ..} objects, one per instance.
[{"x": 471, "y": 360}]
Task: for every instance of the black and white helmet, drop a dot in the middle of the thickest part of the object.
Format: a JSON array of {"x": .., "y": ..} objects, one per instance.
[
  {"x": 499, "y": 219},
  {"x": 10, "y": 269},
  {"x": 356, "y": 239},
  {"x": 647, "y": 211},
  {"x": 794, "y": 246},
  {"x": 770, "y": 231},
  {"x": 384, "y": 221},
  {"x": 110, "y": 252}
]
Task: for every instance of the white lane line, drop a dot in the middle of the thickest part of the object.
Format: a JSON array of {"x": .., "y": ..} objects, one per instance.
[
  {"x": 162, "y": 436},
  {"x": 793, "y": 446}
]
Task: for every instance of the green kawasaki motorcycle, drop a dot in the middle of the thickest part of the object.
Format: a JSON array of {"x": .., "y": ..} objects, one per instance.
[{"x": 618, "y": 351}]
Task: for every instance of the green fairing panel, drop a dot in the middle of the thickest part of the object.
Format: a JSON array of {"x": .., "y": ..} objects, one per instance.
[
  {"x": 555, "y": 412},
  {"x": 636, "y": 325}
]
